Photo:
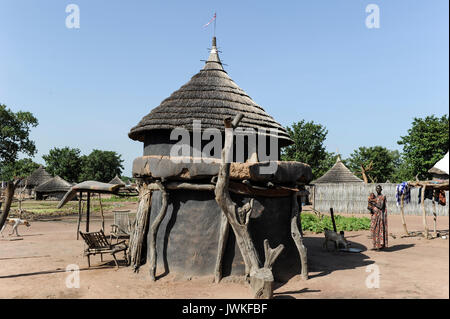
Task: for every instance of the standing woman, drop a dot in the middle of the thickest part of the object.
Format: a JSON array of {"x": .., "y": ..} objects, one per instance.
[{"x": 379, "y": 224}]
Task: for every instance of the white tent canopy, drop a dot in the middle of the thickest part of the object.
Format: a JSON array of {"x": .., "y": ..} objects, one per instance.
[{"x": 441, "y": 166}]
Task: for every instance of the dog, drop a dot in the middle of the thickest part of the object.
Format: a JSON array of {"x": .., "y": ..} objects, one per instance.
[
  {"x": 338, "y": 239},
  {"x": 14, "y": 223}
]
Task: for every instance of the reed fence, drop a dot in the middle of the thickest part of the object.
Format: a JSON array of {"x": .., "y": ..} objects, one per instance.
[{"x": 352, "y": 199}]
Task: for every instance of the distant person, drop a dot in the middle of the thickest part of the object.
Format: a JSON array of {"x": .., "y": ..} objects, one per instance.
[{"x": 379, "y": 224}]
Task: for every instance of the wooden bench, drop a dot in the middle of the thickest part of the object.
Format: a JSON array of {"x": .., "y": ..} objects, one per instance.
[{"x": 97, "y": 243}]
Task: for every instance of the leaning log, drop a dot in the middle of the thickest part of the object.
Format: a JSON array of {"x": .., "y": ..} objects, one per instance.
[
  {"x": 9, "y": 195},
  {"x": 402, "y": 214},
  {"x": 223, "y": 238},
  {"x": 154, "y": 229},
  {"x": 297, "y": 236},
  {"x": 142, "y": 216}
]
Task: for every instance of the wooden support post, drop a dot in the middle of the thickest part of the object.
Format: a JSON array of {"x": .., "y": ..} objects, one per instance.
[
  {"x": 402, "y": 214},
  {"x": 332, "y": 219},
  {"x": 261, "y": 279},
  {"x": 101, "y": 211},
  {"x": 142, "y": 218},
  {"x": 434, "y": 218},
  {"x": 154, "y": 229},
  {"x": 223, "y": 239},
  {"x": 424, "y": 214},
  {"x": 88, "y": 211},
  {"x": 297, "y": 235},
  {"x": 80, "y": 213}
]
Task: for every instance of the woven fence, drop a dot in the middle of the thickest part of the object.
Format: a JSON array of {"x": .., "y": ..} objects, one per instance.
[{"x": 352, "y": 199}]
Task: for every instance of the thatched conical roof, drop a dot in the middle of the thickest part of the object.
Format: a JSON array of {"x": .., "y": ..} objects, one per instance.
[
  {"x": 210, "y": 96},
  {"x": 38, "y": 177},
  {"x": 117, "y": 181},
  {"x": 339, "y": 173},
  {"x": 56, "y": 184}
]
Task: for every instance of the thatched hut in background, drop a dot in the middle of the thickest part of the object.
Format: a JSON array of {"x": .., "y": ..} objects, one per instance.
[
  {"x": 326, "y": 191},
  {"x": 117, "y": 181},
  {"x": 193, "y": 237},
  {"x": 338, "y": 174},
  {"x": 38, "y": 177},
  {"x": 54, "y": 188}
]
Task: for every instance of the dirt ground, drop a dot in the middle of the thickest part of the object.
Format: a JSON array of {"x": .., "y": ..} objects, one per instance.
[{"x": 35, "y": 267}]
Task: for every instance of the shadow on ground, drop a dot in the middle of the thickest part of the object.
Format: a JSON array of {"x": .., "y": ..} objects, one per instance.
[{"x": 104, "y": 265}]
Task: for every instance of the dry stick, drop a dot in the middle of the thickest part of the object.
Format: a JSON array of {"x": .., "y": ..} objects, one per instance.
[
  {"x": 402, "y": 214},
  {"x": 297, "y": 237},
  {"x": 88, "y": 211},
  {"x": 101, "y": 211},
  {"x": 154, "y": 229},
  {"x": 80, "y": 212},
  {"x": 223, "y": 238},
  {"x": 424, "y": 218},
  {"x": 137, "y": 237}
]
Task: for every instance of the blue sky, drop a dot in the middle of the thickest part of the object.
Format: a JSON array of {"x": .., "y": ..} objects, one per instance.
[{"x": 313, "y": 60}]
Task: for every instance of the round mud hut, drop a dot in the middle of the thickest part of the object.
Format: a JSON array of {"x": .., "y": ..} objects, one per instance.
[
  {"x": 54, "y": 188},
  {"x": 38, "y": 177},
  {"x": 180, "y": 227}
]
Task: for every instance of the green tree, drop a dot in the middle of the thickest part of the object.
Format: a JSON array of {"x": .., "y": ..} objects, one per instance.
[
  {"x": 15, "y": 135},
  {"x": 14, "y": 139},
  {"x": 382, "y": 162},
  {"x": 19, "y": 169},
  {"x": 425, "y": 144},
  {"x": 65, "y": 162},
  {"x": 101, "y": 166},
  {"x": 308, "y": 147}
]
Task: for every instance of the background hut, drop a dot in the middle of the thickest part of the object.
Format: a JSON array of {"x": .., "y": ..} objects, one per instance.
[
  {"x": 38, "y": 177},
  {"x": 54, "y": 188},
  {"x": 117, "y": 181},
  {"x": 184, "y": 226},
  {"x": 338, "y": 174},
  {"x": 331, "y": 189}
]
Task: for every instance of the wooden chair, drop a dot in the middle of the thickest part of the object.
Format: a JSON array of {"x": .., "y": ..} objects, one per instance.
[
  {"x": 121, "y": 228},
  {"x": 97, "y": 243}
]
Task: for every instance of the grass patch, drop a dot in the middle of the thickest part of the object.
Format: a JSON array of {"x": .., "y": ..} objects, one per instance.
[
  {"x": 314, "y": 223},
  {"x": 116, "y": 199},
  {"x": 49, "y": 207}
]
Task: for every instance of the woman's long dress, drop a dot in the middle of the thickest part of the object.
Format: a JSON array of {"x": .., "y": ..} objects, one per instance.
[{"x": 379, "y": 224}]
